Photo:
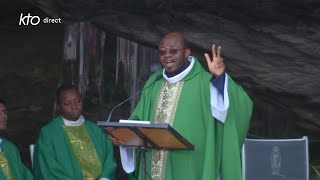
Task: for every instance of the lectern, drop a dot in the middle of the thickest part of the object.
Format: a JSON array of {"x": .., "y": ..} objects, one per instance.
[{"x": 146, "y": 136}]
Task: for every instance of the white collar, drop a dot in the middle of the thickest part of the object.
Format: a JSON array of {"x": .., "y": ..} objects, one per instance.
[
  {"x": 181, "y": 75},
  {"x": 77, "y": 122}
]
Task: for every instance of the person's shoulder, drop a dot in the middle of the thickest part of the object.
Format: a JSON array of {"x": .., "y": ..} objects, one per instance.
[
  {"x": 8, "y": 144},
  {"x": 93, "y": 127},
  {"x": 199, "y": 70},
  {"x": 52, "y": 124},
  {"x": 91, "y": 124},
  {"x": 154, "y": 75}
]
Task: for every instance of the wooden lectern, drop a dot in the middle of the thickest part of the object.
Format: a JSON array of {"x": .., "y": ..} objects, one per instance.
[{"x": 146, "y": 136}]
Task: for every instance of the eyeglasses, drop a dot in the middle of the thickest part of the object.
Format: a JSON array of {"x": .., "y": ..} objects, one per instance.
[{"x": 169, "y": 51}]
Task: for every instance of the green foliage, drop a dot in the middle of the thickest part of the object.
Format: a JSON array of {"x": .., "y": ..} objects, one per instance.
[{"x": 317, "y": 170}]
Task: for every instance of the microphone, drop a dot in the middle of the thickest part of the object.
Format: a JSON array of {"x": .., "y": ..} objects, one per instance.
[{"x": 155, "y": 80}]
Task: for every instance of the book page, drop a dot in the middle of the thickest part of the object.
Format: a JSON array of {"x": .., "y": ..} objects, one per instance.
[{"x": 133, "y": 121}]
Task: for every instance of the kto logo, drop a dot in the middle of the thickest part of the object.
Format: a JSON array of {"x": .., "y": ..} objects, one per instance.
[{"x": 26, "y": 20}]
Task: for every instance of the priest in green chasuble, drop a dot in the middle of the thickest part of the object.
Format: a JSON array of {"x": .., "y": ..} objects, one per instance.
[
  {"x": 207, "y": 108},
  {"x": 71, "y": 147},
  {"x": 11, "y": 166}
]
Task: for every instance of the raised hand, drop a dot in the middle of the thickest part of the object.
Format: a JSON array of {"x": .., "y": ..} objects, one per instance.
[{"x": 215, "y": 65}]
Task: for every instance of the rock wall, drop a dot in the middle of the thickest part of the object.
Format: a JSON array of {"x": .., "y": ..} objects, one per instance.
[{"x": 30, "y": 70}]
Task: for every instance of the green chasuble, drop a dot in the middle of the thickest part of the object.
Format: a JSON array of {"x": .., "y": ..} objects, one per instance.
[
  {"x": 186, "y": 106},
  {"x": 11, "y": 166},
  {"x": 56, "y": 156},
  {"x": 84, "y": 151}
]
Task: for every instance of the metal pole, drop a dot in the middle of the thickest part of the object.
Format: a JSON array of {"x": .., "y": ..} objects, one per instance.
[{"x": 143, "y": 159}]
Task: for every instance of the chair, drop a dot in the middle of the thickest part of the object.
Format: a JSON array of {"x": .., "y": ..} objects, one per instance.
[{"x": 275, "y": 159}]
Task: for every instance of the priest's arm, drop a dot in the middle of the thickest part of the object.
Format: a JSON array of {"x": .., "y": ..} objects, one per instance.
[{"x": 45, "y": 165}]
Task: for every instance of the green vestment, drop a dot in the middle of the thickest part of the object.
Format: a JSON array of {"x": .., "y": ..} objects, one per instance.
[
  {"x": 217, "y": 145},
  {"x": 17, "y": 169},
  {"x": 54, "y": 158}
]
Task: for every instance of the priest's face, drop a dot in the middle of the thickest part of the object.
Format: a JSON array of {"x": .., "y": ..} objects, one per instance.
[
  {"x": 3, "y": 117},
  {"x": 70, "y": 104},
  {"x": 173, "y": 53}
]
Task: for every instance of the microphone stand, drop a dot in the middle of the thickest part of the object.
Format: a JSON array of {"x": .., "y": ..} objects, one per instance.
[
  {"x": 156, "y": 79},
  {"x": 108, "y": 120},
  {"x": 143, "y": 150}
]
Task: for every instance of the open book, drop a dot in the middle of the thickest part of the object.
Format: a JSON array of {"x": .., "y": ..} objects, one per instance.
[{"x": 133, "y": 121}]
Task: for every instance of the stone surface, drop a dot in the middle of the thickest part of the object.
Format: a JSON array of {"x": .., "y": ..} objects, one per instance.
[
  {"x": 271, "y": 50},
  {"x": 271, "y": 47}
]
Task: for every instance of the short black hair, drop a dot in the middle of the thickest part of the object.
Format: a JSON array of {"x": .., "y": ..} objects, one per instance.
[
  {"x": 185, "y": 43},
  {"x": 63, "y": 87},
  {"x": 2, "y": 101}
]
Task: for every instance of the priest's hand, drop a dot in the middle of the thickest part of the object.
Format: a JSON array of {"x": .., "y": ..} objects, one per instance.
[
  {"x": 215, "y": 65},
  {"x": 115, "y": 141}
]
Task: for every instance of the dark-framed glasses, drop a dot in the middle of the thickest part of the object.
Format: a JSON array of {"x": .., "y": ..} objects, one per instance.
[{"x": 163, "y": 52}]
